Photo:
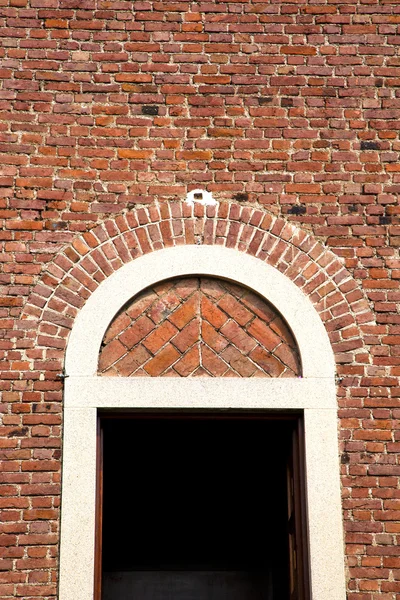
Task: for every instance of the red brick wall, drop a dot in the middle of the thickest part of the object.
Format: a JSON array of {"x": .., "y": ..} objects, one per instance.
[
  {"x": 200, "y": 327},
  {"x": 286, "y": 111},
  {"x": 33, "y": 400}
]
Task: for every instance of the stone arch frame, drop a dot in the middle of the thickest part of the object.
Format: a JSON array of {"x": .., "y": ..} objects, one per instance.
[
  {"x": 86, "y": 393},
  {"x": 92, "y": 321},
  {"x": 80, "y": 268}
]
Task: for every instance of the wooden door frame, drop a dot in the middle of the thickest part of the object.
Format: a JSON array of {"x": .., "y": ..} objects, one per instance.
[
  {"x": 297, "y": 451},
  {"x": 99, "y": 512}
]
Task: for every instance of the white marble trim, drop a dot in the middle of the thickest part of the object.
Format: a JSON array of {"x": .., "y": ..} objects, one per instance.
[{"x": 199, "y": 393}]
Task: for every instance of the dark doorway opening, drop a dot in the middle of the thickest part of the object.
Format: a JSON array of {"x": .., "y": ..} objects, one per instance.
[{"x": 198, "y": 508}]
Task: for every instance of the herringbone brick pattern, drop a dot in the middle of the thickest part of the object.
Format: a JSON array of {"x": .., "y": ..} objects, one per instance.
[{"x": 199, "y": 327}]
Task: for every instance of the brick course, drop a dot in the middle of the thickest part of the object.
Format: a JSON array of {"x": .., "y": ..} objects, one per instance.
[{"x": 288, "y": 113}]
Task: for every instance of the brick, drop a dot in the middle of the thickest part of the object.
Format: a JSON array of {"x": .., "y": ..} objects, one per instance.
[
  {"x": 160, "y": 337},
  {"x": 112, "y": 352},
  {"x": 241, "y": 364},
  {"x": 164, "y": 359},
  {"x": 288, "y": 357},
  {"x": 189, "y": 362},
  {"x": 212, "y": 362},
  {"x": 117, "y": 326},
  {"x": 131, "y": 362},
  {"x": 235, "y": 310},
  {"x": 299, "y": 50},
  {"x": 185, "y": 287},
  {"x": 225, "y": 132},
  {"x": 211, "y": 313},
  {"x": 264, "y": 334},
  {"x": 134, "y": 154},
  {"x": 136, "y": 309},
  {"x": 235, "y": 334},
  {"x": 187, "y": 336},
  {"x": 268, "y": 362},
  {"x": 258, "y": 306},
  {"x": 136, "y": 332},
  {"x": 212, "y": 338},
  {"x": 212, "y": 288},
  {"x": 162, "y": 309},
  {"x": 186, "y": 312}
]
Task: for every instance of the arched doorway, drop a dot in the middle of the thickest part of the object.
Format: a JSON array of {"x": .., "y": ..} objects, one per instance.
[
  {"x": 313, "y": 395},
  {"x": 170, "y": 541}
]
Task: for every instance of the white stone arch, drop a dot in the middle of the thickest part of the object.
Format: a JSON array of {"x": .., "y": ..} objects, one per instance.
[{"x": 313, "y": 393}]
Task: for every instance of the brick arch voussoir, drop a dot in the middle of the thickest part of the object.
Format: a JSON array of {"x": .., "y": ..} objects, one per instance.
[{"x": 77, "y": 271}]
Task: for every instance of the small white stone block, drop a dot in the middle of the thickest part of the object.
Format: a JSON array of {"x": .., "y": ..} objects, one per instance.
[{"x": 200, "y": 197}]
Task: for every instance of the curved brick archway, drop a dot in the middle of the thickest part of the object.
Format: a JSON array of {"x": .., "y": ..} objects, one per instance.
[{"x": 71, "y": 278}]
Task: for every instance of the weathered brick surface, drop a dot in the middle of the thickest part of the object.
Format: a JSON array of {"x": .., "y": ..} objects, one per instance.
[
  {"x": 199, "y": 327},
  {"x": 289, "y": 113}
]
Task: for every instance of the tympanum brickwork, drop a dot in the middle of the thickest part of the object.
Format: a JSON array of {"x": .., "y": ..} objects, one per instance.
[{"x": 199, "y": 327}]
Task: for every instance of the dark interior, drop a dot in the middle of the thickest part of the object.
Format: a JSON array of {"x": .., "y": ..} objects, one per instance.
[{"x": 195, "y": 508}]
